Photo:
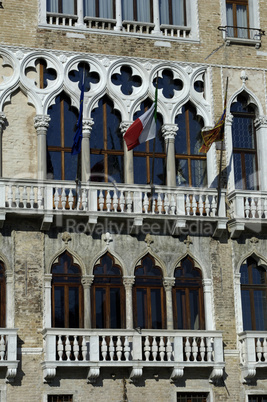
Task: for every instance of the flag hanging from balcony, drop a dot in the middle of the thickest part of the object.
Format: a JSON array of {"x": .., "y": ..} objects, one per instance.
[
  {"x": 77, "y": 140},
  {"x": 144, "y": 128},
  {"x": 216, "y": 133}
]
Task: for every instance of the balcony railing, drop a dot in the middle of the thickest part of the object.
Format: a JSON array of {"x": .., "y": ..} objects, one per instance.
[
  {"x": 94, "y": 349},
  {"x": 8, "y": 352},
  {"x": 103, "y": 199},
  {"x": 64, "y": 20},
  {"x": 245, "y": 35},
  {"x": 247, "y": 209},
  {"x": 253, "y": 352}
]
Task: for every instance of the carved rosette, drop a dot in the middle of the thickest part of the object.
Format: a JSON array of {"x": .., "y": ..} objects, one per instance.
[
  {"x": 169, "y": 132},
  {"x": 41, "y": 123},
  {"x": 87, "y": 127}
]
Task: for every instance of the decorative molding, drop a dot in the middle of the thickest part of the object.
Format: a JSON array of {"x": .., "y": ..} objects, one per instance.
[
  {"x": 188, "y": 241},
  {"x": 177, "y": 373},
  {"x": 66, "y": 237},
  {"x": 107, "y": 238},
  {"x": 136, "y": 374},
  {"x": 149, "y": 240},
  {"x": 93, "y": 374},
  {"x": 168, "y": 284}
]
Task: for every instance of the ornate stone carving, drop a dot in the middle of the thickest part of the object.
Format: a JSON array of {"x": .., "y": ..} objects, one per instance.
[
  {"x": 124, "y": 126},
  {"x": 260, "y": 121},
  {"x": 149, "y": 240},
  {"x": 216, "y": 374},
  {"x": 87, "y": 281},
  {"x": 168, "y": 283},
  {"x": 66, "y": 237},
  {"x": 41, "y": 123},
  {"x": 169, "y": 131},
  {"x": 128, "y": 281},
  {"x": 2, "y": 121},
  {"x": 188, "y": 241},
  {"x": 136, "y": 373},
  {"x": 11, "y": 374},
  {"x": 253, "y": 241},
  {"x": 107, "y": 238},
  {"x": 49, "y": 373},
  {"x": 243, "y": 77},
  {"x": 93, "y": 374},
  {"x": 177, "y": 373},
  {"x": 87, "y": 127}
]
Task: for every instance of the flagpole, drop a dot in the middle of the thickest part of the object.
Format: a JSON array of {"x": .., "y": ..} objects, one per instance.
[
  {"x": 154, "y": 143},
  {"x": 78, "y": 171},
  {"x": 219, "y": 189}
]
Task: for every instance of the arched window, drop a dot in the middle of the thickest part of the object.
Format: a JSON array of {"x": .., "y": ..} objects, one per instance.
[
  {"x": 188, "y": 305},
  {"x": 106, "y": 143},
  {"x": 191, "y": 166},
  {"x": 148, "y": 295},
  {"x": 67, "y": 293},
  {"x": 2, "y": 296},
  {"x": 143, "y": 154},
  {"x": 107, "y": 292},
  {"x": 244, "y": 145},
  {"x": 61, "y": 165},
  {"x": 253, "y": 296}
]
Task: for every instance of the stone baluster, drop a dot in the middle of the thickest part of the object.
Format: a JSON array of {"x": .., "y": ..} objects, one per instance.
[
  {"x": 168, "y": 283},
  {"x": 128, "y": 156},
  {"x": 41, "y": 124},
  {"x": 86, "y": 168},
  {"x": 87, "y": 281},
  {"x": 128, "y": 282},
  {"x": 169, "y": 131},
  {"x": 2, "y": 126}
]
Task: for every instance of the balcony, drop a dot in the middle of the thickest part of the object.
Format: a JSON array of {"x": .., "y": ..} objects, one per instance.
[
  {"x": 248, "y": 210},
  {"x": 242, "y": 35},
  {"x": 172, "y": 208},
  {"x": 8, "y": 353},
  {"x": 253, "y": 353},
  {"x": 132, "y": 350}
]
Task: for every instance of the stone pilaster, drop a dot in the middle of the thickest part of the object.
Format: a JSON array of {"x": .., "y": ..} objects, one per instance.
[
  {"x": 41, "y": 124},
  {"x": 86, "y": 168},
  {"x": 169, "y": 132},
  {"x": 128, "y": 282},
  {"x": 87, "y": 281},
  {"x": 168, "y": 284}
]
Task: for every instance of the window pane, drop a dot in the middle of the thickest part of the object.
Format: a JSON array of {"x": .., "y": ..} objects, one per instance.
[
  {"x": 246, "y": 310},
  {"x": 241, "y": 17},
  {"x": 199, "y": 173},
  {"x": 182, "y": 178},
  {"x": 74, "y": 307},
  {"x": 156, "y": 314},
  {"x": 243, "y": 133},
  {"x": 251, "y": 174},
  {"x": 260, "y": 310},
  {"x": 238, "y": 172},
  {"x": 141, "y": 312},
  {"x": 115, "y": 308},
  {"x": 59, "y": 306},
  {"x": 100, "y": 300},
  {"x": 143, "y": 10},
  {"x": 194, "y": 309},
  {"x": 180, "y": 299},
  {"x": 127, "y": 10},
  {"x": 71, "y": 166}
]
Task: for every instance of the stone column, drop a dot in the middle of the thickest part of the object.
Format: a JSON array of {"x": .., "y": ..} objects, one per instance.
[
  {"x": 208, "y": 304},
  {"x": 10, "y": 311},
  {"x": 41, "y": 124},
  {"x": 156, "y": 30},
  {"x": 261, "y": 132},
  {"x": 80, "y": 23},
  {"x": 128, "y": 156},
  {"x": 128, "y": 282},
  {"x": 86, "y": 168},
  {"x": 118, "y": 26},
  {"x": 168, "y": 284},
  {"x": 229, "y": 151},
  {"x": 169, "y": 132},
  {"x": 2, "y": 125},
  {"x": 47, "y": 301},
  {"x": 87, "y": 281}
]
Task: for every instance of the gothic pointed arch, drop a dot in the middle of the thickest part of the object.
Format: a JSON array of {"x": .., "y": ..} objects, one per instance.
[
  {"x": 67, "y": 292},
  {"x": 149, "y": 305},
  {"x": 107, "y": 293}
]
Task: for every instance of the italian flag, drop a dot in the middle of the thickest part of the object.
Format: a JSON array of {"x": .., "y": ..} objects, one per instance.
[{"x": 143, "y": 129}]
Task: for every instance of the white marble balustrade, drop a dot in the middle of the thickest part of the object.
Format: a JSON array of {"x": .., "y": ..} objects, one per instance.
[{"x": 248, "y": 205}]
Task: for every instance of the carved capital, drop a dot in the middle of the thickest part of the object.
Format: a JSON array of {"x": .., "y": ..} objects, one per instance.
[
  {"x": 260, "y": 121},
  {"x": 3, "y": 121},
  {"x": 87, "y": 127},
  {"x": 124, "y": 126},
  {"x": 169, "y": 131},
  {"x": 128, "y": 282},
  {"x": 87, "y": 281},
  {"x": 41, "y": 123},
  {"x": 168, "y": 283},
  {"x": 93, "y": 374},
  {"x": 229, "y": 119}
]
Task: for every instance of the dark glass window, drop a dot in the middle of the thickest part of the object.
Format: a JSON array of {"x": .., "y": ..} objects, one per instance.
[
  {"x": 67, "y": 293},
  {"x": 143, "y": 154},
  {"x": 192, "y": 397},
  {"x": 62, "y": 6},
  {"x": 99, "y": 8},
  {"x": 188, "y": 305},
  {"x": 107, "y": 291},
  {"x": 2, "y": 296},
  {"x": 148, "y": 295},
  {"x": 59, "y": 398},
  {"x": 253, "y": 295},
  {"x": 61, "y": 165},
  {"x": 257, "y": 398},
  {"x": 172, "y": 12},
  {"x": 237, "y": 14},
  {"x": 191, "y": 166},
  {"x": 106, "y": 143},
  {"x": 244, "y": 145},
  {"x": 137, "y": 10}
]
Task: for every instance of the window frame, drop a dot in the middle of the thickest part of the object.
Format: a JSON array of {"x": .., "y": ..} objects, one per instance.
[{"x": 235, "y": 3}]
